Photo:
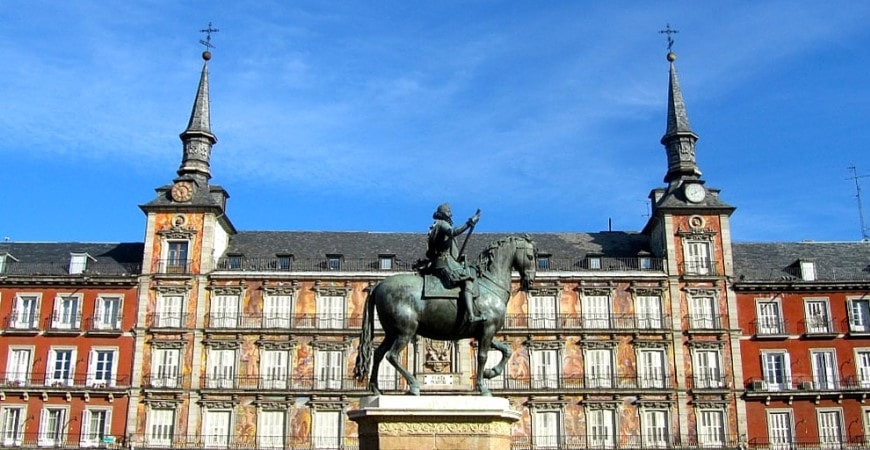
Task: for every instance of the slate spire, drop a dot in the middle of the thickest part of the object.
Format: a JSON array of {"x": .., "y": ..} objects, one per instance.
[
  {"x": 198, "y": 139},
  {"x": 679, "y": 139}
]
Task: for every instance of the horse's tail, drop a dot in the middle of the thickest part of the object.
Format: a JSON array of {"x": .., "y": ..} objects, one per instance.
[{"x": 364, "y": 351}]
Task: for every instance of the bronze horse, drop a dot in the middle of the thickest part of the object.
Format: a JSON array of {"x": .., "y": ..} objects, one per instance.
[{"x": 403, "y": 313}]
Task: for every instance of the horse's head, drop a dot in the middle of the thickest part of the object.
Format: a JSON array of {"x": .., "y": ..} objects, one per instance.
[{"x": 524, "y": 260}]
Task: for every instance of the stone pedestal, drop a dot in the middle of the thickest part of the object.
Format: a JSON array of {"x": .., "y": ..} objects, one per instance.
[{"x": 442, "y": 422}]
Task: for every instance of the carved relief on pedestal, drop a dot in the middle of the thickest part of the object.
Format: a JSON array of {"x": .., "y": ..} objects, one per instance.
[{"x": 439, "y": 355}]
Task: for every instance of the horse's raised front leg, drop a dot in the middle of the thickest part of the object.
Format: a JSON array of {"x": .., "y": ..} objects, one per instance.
[
  {"x": 500, "y": 367},
  {"x": 482, "y": 353},
  {"x": 399, "y": 344},
  {"x": 376, "y": 364}
]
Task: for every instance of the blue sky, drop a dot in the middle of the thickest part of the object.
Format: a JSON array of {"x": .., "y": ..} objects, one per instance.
[{"x": 367, "y": 115}]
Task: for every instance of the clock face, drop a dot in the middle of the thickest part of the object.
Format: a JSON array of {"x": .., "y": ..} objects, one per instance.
[
  {"x": 182, "y": 192},
  {"x": 695, "y": 192}
]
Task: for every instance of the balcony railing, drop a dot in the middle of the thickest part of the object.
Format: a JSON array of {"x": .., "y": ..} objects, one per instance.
[
  {"x": 823, "y": 326},
  {"x": 309, "y": 383},
  {"x": 51, "y": 379},
  {"x": 168, "y": 320},
  {"x": 701, "y": 268},
  {"x": 19, "y": 322},
  {"x": 64, "y": 322},
  {"x": 615, "y": 382},
  {"x": 710, "y": 382},
  {"x": 770, "y": 327},
  {"x": 174, "y": 266},
  {"x": 98, "y": 324},
  {"x": 261, "y": 321},
  {"x": 704, "y": 322},
  {"x": 176, "y": 381},
  {"x": 15, "y": 268},
  {"x": 813, "y": 385},
  {"x": 628, "y": 322}
]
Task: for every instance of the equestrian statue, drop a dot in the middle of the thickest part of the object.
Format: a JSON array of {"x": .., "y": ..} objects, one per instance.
[{"x": 446, "y": 300}]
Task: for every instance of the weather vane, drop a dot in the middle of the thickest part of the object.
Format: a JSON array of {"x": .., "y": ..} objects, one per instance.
[
  {"x": 670, "y": 32},
  {"x": 208, "y": 31}
]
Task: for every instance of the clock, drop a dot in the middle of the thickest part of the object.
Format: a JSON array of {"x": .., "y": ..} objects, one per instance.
[
  {"x": 694, "y": 192},
  {"x": 182, "y": 191}
]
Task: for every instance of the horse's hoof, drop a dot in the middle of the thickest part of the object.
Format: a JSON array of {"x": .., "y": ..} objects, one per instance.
[
  {"x": 414, "y": 391},
  {"x": 486, "y": 394}
]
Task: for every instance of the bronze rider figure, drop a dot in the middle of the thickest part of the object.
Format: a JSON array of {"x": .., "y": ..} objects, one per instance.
[{"x": 444, "y": 257}]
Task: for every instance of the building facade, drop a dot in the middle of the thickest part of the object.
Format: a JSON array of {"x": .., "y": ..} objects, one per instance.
[{"x": 204, "y": 336}]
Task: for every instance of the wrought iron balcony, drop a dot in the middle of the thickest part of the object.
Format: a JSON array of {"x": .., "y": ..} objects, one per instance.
[
  {"x": 770, "y": 328},
  {"x": 42, "y": 380},
  {"x": 167, "y": 320},
  {"x": 276, "y": 321},
  {"x": 700, "y": 323},
  {"x": 807, "y": 385},
  {"x": 589, "y": 322},
  {"x": 654, "y": 382},
  {"x": 292, "y": 383}
]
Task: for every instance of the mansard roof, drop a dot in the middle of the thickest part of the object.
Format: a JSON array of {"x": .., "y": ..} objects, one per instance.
[
  {"x": 780, "y": 261},
  {"x": 53, "y": 258}
]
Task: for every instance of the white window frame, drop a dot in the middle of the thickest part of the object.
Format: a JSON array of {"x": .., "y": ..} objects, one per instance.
[
  {"x": 328, "y": 369},
  {"x": 53, "y": 426},
  {"x": 862, "y": 367},
  {"x": 859, "y": 314},
  {"x": 824, "y": 367},
  {"x": 326, "y": 429},
  {"x": 388, "y": 377},
  {"x": 656, "y": 428},
  {"x": 51, "y": 369},
  {"x": 780, "y": 429},
  {"x": 712, "y": 428},
  {"x": 12, "y": 419},
  {"x": 808, "y": 270},
  {"x": 704, "y": 310},
  {"x": 698, "y": 257},
  {"x": 545, "y": 365},
  {"x": 708, "y": 370},
  {"x": 865, "y": 413},
  {"x": 277, "y": 310},
  {"x": 817, "y": 315},
  {"x": 165, "y": 367},
  {"x": 547, "y": 428},
  {"x": 543, "y": 311},
  {"x": 275, "y": 370},
  {"x": 78, "y": 263},
  {"x": 652, "y": 369},
  {"x": 599, "y": 368},
  {"x": 224, "y": 311},
  {"x": 96, "y": 374},
  {"x": 596, "y": 311},
  {"x": 267, "y": 434},
  {"x": 648, "y": 311},
  {"x": 385, "y": 262},
  {"x": 27, "y": 311},
  {"x": 173, "y": 263},
  {"x": 64, "y": 316},
  {"x": 217, "y": 427},
  {"x": 161, "y": 427},
  {"x": 832, "y": 433},
  {"x": 331, "y": 311},
  {"x": 222, "y": 368},
  {"x": 89, "y": 436},
  {"x": 776, "y": 379},
  {"x": 493, "y": 358},
  {"x": 768, "y": 316},
  {"x": 601, "y": 427},
  {"x": 108, "y": 318},
  {"x": 19, "y": 365},
  {"x": 168, "y": 311}
]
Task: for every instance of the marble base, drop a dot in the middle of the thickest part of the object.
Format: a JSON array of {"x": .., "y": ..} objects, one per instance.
[{"x": 443, "y": 422}]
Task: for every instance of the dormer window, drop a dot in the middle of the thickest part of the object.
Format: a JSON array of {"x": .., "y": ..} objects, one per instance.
[
  {"x": 594, "y": 262},
  {"x": 333, "y": 262},
  {"x": 543, "y": 261},
  {"x": 644, "y": 260},
  {"x": 234, "y": 261},
  {"x": 808, "y": 270},
  {"x": 78, "y": 263},
  {"x": 284, "y": 262},
  {"x": 385, "y": 262}
]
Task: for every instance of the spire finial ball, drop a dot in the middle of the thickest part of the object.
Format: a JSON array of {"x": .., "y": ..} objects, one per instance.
[
  {"x": 206, "y": 55},
  {"x": 672, "y": 56}
]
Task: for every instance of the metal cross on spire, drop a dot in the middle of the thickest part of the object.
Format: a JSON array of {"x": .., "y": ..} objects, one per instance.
[
  {"x": 670, "y": 32},
  {"x": 208, "y": 31}
]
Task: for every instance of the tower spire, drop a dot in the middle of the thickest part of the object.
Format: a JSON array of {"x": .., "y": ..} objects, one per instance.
[
  {"x": 679, "y": 139},
  {"x": 198, "y": 139}
]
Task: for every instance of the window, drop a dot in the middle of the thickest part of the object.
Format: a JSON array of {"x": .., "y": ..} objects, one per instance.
[
  {"x": 546, "y": 428},
  {"x": 542, "y": 311},
  {"x": 217, "y": 428},
  {"x": 708, "y": 369},
  {"x": 385, "y": 262},
  {"x": 824, "y": 364},
  {"x": 168, "y": 312},
  {"x": 866, "y": 413},
  {"x": 830, "y": 429},
  {"x": 777, "y": 370},
  {"x": 271, "y": 429},
  {"x": 327, "y": 429},
  {"x": 284, "y": 262},
  {"x": 26, "y": 313},
  {"x": 859, "y": 315},
  {"x": 651, "y": 368},
  {"x": 596, "y": 311},
  {"x": 18, "y": 366},
  {"x": 61, "y": 364},
  {"x": 543, "y": 262},
  {"x": 655, "y": 428},
  {"x": 224, "y": 311},
  {"x": 863, "y": 368},
  {"x": 102, "y": 368},
  {"x": 161, "y": 427},
  {"x": 176, "y": 256},
  {"x": 333, "y": 262},
  {"x": 78, "y": 263},
  {"x": 328, "y": 369},
  {"x": 275, "y": 369},
  {"x": 3, "y": 259},
  {"x": 818, "y": 316},
  {"x": 808, "y": 271},
  {"x": 95, "y": 426},
  {"x": 330, "y": 311},
  {"x": 601, "y": 425},
  {"x": 107, "y": 313},
  {"x": 648, "y": 309},
  {"x": 645, "y": 263},
  {"x": 52, "y": 427},
  {"x": 599, "y": 368},
  {"x": 277, "y": 311},
  {"x": 12, "y": 433},
  {"x": 698, "y": 258},
  {"x": 221, "y": 368},
  {"x": 711, "y": 428},
  {"x": 234, "y": 261},
  {"x": 164, "y": 367},
  {"x": 769, "y": 317},
  {"x": 388, "y": 379},
  {"x": 780, "y": 429},
  {"x": 703, "y": 312},
  {"x": 66, "y": 313},
  {"x": 545, "y": 368},
  {"x": 594, "y": 262}
]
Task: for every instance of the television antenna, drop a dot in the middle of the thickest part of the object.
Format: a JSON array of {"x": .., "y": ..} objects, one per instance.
[{"x": 864, "y": 234}]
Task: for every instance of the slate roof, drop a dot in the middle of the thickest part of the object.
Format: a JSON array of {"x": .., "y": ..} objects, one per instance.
[
  {"x": 54, "y": 258},
  {"x": 834, "y": 261}
]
